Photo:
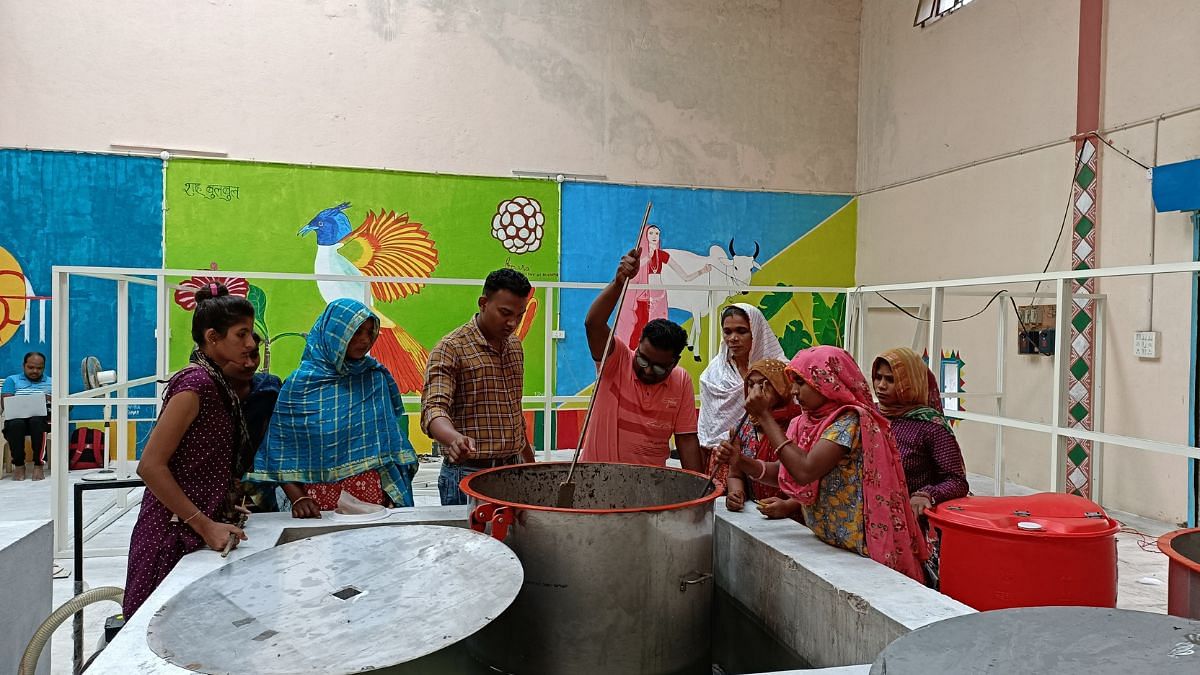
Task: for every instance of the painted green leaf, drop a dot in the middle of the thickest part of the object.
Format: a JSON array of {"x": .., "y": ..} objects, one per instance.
[
  {"x": 795, "y": 338},
  {"x": 258, "y": 298},
  {"x": 773, "y": 302},
  {"x": 828, "y": 319}
]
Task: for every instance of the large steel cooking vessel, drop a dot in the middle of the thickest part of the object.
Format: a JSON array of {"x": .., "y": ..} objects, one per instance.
[{"x": 622, "y": 583}]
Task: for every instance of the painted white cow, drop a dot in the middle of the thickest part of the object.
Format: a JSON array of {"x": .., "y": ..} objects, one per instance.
[{"x": 729, "y": 273}]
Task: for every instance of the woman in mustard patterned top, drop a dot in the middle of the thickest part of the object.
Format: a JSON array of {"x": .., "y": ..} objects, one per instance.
[{"x": 839, "y": 460}]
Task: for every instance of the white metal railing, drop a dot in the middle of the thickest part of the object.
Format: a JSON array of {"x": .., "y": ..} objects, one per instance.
[
  {"x": 1004, "y": 340},
  {"x": 118, "y": 504},
  {"x": 1057, "y": 429},
  {"x": 118, "y": 501},
  {"x": 859, "y": 301}
]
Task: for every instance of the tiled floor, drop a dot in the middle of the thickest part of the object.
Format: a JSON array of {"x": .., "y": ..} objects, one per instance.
[{"x": 1142, "y": 572}]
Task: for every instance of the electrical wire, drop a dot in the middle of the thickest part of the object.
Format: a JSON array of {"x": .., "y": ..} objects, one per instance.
[
  {"x": 1053, "y": 249},
  {"x": 1049, "y": 259},
  {"x": 1146, "y": 542},
  {"x": 1078, "y": 163},
  {"x": 961, "y": 318},
  {"x": 1120, "y": 152},
  {"x": 1063, "y": 225}
]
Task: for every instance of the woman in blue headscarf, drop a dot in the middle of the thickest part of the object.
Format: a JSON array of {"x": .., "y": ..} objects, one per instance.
[{"x": 339, "y": 423}]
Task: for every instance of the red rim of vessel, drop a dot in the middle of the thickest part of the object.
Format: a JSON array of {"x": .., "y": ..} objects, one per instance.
[
  {"x": 465, "y": 486},
  {"x": 1164, "y": 545}
]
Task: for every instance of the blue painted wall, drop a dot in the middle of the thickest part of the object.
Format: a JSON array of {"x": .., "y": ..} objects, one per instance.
[
  {"x": 600, "y": 222},
  {"x": 59, "y": 208}
]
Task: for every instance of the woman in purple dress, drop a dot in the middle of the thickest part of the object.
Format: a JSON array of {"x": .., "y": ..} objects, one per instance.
[
  {"x": 196, "y": 451},
  {"x": 909, "y": 397}
]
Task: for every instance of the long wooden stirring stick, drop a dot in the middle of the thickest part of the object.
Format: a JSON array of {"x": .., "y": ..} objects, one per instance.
[{"x": 566, "y": 489}]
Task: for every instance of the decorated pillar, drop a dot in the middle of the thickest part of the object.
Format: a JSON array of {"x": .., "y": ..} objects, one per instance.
[{"x": 1085, "y": 222}]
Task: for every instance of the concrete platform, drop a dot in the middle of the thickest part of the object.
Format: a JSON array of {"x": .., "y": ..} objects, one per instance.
[
  {"x": 25, "y": 550},
  {"x": 833, "y": 607},
  {"x": 1138, "y": 568}
]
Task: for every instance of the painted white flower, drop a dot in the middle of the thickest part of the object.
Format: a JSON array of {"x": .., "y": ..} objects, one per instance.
[{"x": 519, "y": 224}]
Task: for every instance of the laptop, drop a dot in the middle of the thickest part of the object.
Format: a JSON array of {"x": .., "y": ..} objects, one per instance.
[{"x": 24, "y": 406}]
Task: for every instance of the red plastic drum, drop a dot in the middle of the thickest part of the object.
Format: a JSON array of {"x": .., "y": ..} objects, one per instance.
[{"x": 1044, "y": 549}]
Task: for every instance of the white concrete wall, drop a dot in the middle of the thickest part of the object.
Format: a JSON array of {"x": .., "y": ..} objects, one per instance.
[
  {"x": 26, "y": 555},
  {"x": 832, "y": 607},
  {"x": 998, "y": 77},
  {"x": 741, "y": 93}
]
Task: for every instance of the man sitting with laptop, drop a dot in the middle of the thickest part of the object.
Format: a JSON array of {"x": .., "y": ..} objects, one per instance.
[{"x": 25, "y": 398}]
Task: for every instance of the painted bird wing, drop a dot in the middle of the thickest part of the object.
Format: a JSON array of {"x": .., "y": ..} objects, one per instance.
[
  {"x": 403, "y": 356},
  {"x": 391, "y": 245}
]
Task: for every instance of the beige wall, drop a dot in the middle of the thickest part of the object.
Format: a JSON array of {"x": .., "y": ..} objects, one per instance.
[
  {"x": 989, "y": 220},
  {"x": 1007, "y": 82},
  {"x": 1152, "y": 52},
  {"x": 1147, "y": 398},
  {"x": 994, "y": 76},
  {"x": 745, "y": 93}
]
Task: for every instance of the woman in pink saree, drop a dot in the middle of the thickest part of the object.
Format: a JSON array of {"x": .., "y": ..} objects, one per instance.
[{"x": 838, "y": 458}]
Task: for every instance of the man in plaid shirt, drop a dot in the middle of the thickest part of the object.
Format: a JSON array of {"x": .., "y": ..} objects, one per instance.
[{"x": 471, "y": 402}]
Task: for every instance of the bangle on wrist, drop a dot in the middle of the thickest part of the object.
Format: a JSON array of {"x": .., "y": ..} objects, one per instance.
[
  {"x": 786, "y": 442},
  {"x": 762, "y": 473},
  {"x": 189, "y": 518},
  {"x": 299, "y": 499}
]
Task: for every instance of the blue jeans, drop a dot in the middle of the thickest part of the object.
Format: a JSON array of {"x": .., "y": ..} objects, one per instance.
[
  {"x": 452, "y": 474},
  {"x": 448, "y": 480}
]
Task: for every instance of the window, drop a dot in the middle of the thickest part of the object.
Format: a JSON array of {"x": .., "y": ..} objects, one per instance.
[{"x": 929, "y": 11}]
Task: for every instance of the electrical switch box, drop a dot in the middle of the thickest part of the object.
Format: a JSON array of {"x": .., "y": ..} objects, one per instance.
[
  {"x": 1145, "y": 344},
  {"x": 1035, "y": 329}
]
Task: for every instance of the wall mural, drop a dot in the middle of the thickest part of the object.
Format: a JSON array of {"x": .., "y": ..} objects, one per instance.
[
  {"x": 61, "y": 208},
  {"x": 16, "y": 301},
  {"x": 241, "y": 216},
  {"x": 704, "y": 237},
  {"x": 225, "y": 217}
]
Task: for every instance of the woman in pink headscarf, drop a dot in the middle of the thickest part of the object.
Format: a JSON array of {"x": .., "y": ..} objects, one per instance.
[{"x": 839, "y": 460}]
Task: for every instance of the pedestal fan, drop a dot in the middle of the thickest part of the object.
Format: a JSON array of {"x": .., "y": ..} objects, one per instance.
[{"x": 94, "y": 377}]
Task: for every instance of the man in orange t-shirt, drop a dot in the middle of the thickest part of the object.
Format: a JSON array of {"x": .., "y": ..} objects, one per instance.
[{"x": 644, "y": 397}]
